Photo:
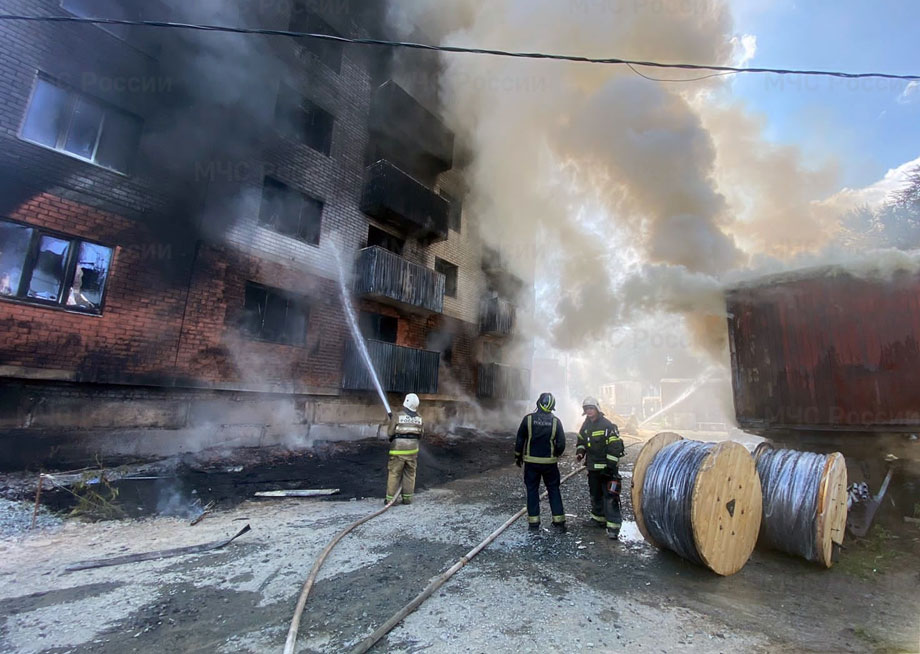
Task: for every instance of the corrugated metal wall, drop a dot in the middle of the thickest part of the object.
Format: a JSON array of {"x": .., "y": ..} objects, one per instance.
[
  {"x": 827, "y": 351},
  {"x": 380, "y": 273},
  {"x": 500, "y": 382},
  {"x": 496, "y": 316},
  {"x": 400, "y": 369}
]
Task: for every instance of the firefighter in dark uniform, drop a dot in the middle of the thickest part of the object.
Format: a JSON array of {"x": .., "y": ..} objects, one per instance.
[
  {"x": 540, "y": 441},
  {"x": 600, "y": 446}
]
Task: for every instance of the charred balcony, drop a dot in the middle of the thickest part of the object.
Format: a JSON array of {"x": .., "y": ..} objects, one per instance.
[
  {"x": 400, "y": 369},
  {"x": 500, "y": 382},
  {"x": 393, "y": 196},
  {"x": 402, "y": 123},
  {"x": 496, "y": 317},
  {"x": 388, "y": 278}
]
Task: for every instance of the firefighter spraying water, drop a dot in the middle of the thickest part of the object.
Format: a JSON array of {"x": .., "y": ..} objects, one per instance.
[{"x": 356, "y": 333}]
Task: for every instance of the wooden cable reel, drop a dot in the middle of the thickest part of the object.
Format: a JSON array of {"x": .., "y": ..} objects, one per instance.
[
  {"x": 725, "y": 502},
  {"x": 830, "y": 508}
]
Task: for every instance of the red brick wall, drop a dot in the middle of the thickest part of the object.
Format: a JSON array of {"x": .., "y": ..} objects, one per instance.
[
  {"x": 212, "y": 349},
  {"x": 182, "y": 324},
  {"x": 138, "y": 334},
  {"x": 137, "y": 331}
]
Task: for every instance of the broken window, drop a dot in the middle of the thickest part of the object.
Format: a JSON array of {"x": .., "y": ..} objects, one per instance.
[
  {"x": 287, "y": 211},
  {"x": 15, "y": 241},
  {"x": 68, "y": 121},
  {"x": 303, "y": 120},
  {"x": 52, "y": 269},
  {"x": 328, "y": 52},
  {"x": 274, "y": 315},
  {"x": 48, "y": 271},
  {"x": 385, "y": 240},
  {"x": 89, "y": 276},
  {"x": 455, "y": 212},
  {"x": 449, "y": 271},
  {"x": 377, "y": 327}
]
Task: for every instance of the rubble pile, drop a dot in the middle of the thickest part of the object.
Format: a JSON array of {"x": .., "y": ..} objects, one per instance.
[{"x": 16, "y": 518}]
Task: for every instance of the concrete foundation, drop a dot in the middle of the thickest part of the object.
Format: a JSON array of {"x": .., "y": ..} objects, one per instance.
[{"x": 65, "y": 424}]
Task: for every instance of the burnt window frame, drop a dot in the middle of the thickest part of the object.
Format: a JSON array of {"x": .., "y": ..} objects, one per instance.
[
  {"x": 73, "y": 96},
  {"x": 386, "y": 237},
  {"x": 330, "y": 53},
  {"x": 70, "y": 271},
  {"x": 455, "y": 213},
  {"x": 451, "y": 272},
  {"x": 306, "y": 200},
  {"x": 317, "y": 128},
  {"x": 367, "y": 317},
  {"x": 299, "y": 301}
]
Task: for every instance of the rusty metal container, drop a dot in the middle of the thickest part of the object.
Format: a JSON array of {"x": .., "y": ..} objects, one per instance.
[{"x": 824, "y": 350}]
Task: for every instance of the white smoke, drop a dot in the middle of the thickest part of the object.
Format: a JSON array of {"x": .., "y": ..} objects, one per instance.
[{"x": 646, "y": 198}]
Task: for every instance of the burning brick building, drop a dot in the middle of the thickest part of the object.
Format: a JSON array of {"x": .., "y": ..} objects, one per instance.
[{"x": 173, "y": 206}]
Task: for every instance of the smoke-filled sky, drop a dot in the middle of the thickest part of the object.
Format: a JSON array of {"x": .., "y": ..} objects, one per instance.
[{"x": 646, "y": 197}]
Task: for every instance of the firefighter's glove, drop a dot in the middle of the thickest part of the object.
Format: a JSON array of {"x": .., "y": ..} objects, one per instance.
[
  {"x": 518, "y": 460},
  {"x": 580, "y": 457}
]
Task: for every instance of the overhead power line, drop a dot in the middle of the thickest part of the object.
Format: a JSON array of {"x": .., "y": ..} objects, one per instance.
[{"x": 456, "y": 49}]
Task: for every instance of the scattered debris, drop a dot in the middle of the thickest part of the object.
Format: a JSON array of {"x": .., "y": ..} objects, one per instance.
[
  {"x": 298, "y": 493},
  {"x": 16, "y": 518},
  {"x": 860, "y": 519},
  {"x": 152, "y": 556},
  {"x": 205, "y": 511}
]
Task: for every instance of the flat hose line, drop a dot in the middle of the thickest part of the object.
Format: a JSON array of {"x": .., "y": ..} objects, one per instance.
[
  {"x": 791, "y": 481},
  {"x": 371, "y": 640},
  {"x": 439, "y": 581},
  {"x": 308, "y": 584},
  {"x": 667, "y": 496}
]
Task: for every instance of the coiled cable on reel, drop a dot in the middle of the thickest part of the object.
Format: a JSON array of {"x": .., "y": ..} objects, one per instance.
[
  {"x": 667, "y": 496},
  {"x": 791, "y": 483},
  {"x": 699, "y": 500}
]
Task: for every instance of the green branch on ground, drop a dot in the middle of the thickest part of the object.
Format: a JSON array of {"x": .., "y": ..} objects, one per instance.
[{"x": 96, "y": 496}]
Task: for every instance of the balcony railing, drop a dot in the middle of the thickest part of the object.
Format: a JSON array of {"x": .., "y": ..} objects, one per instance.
[
  {"x": 399, "y": 369},
  {"x": 501, "y": 382},
  {"x": 496, "y": 317},
  {"x": 403, "y": 119},
  {"x": 389, "y": 278},
  {"x": 392, "y": 196}
]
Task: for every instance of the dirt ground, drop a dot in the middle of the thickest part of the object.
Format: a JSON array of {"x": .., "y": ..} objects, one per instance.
[{"x": 525, "y": 593}]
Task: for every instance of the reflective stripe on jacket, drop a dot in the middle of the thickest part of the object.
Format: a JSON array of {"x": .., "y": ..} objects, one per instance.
[
  {"x": 601, "y": 443},
  {"x": 540, "y": 438},
  {"x": 403, "y": 446}
]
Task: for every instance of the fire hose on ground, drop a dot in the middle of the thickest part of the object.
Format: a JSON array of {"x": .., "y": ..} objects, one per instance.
[{"x": 429, "y": 590}]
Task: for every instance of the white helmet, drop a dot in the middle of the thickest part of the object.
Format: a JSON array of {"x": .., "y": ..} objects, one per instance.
[
  {"x": 590, "y": 402},
  {"x": 411, "y": 402}
]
